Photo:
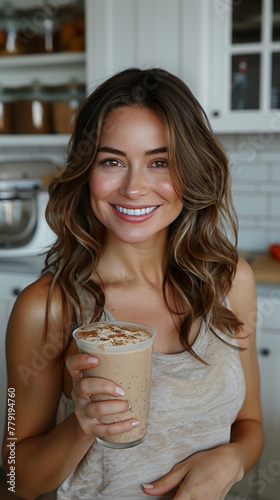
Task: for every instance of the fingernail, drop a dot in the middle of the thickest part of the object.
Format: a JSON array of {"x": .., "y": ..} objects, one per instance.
[
  {"x": 92, "y": 360},
  {"x": 119, "y": 391},
  {"x": 135, "y": 423},
  {"x": 148, "y": 486}
]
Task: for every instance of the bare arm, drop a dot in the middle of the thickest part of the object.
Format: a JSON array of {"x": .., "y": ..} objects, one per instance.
[
  {"x": 45, "y": 453},
  {"x": 247, "y": 431},
  {"x": 211, "y": 473}
]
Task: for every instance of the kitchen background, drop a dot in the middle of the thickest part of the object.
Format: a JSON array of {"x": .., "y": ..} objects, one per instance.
[
  {"x": 228, "y": 52},
  {"x": 255, "y": 170}
]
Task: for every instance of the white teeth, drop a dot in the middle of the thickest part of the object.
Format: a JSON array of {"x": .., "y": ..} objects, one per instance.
[{"x": 137, "y": 211}]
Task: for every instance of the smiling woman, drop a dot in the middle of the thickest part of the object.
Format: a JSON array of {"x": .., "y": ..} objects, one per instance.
[
  {"x": 139, "y": 214},
  {"x": 131, "y": 191}
]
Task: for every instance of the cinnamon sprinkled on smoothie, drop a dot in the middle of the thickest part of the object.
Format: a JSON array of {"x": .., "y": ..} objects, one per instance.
[{"x": 108, "y": 334}]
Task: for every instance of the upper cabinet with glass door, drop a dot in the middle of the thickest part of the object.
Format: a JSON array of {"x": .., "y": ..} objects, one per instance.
[{"x": 244, "y": 91}]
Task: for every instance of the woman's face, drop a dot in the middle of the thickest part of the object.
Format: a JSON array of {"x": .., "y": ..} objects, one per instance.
[{"x": 131, "y": 192}]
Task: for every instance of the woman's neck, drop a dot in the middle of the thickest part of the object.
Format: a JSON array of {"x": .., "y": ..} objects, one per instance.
[{"x": 142, "y": 262}]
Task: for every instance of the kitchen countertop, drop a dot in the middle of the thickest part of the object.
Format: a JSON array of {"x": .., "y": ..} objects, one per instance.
[{"x": 266, "y": 268}]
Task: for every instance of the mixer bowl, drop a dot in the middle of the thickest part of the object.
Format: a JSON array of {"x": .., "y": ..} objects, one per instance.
[{"x": 18, "y": 217}]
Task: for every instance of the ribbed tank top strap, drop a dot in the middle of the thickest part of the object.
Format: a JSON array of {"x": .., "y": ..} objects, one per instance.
[{"x": 88, "y": 305}]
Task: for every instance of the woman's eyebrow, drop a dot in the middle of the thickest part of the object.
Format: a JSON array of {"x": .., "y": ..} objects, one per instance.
[
  {"x": 151, "y": 152},
  {"x": 106, "y": 149}
]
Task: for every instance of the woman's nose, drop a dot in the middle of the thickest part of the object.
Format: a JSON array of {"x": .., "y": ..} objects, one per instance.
[{"x": 135, "y": 183}]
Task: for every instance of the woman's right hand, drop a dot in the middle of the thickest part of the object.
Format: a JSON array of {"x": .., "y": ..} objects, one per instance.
[{"x": 89, "y": 412}]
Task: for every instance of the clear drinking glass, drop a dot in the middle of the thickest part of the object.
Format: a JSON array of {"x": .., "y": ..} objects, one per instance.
[{"x": 126, "y": 363}]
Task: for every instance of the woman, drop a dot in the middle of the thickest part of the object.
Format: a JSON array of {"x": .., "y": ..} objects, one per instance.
[{"x": 141, "y": 214}]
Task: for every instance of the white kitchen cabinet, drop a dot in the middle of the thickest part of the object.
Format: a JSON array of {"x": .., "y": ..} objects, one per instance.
[
  {"x": 193, "y": 39},
  {"x": 145, "y": 33},
  {"x": 263, "y": 481},
  {"x": 244, "y": 74},
  {"x": 11, "y": 285},
  {"x": 267, "y": 479}
]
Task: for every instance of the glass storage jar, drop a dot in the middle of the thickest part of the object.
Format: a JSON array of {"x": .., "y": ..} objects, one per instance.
[
  {"x": 72, "y": 36},
  {"x": 11, "y": 42},
  {"x": 41, "y": 31},
  {"x": 7, "y": 98},
  {"x": 66, "y": 101},
  {"x": 33, "y": 110}
]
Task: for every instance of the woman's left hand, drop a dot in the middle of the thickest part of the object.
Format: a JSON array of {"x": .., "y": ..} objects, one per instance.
[{"x": 208, "y": 474}]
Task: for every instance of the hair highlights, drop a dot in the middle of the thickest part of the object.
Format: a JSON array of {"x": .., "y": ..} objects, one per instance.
[{"x": 200, "y": 259}]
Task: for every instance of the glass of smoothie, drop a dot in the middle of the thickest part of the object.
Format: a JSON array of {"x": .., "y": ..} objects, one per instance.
[{"x": 124, "y": 350}]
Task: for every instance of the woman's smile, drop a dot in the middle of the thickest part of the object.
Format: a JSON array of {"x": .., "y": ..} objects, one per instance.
[
  {"x": 133, "y": 215},
  {"x": 136, "y": 211},
  {"x": 131, "y": 190}
]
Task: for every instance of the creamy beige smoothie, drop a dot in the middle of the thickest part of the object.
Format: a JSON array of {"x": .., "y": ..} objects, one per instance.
[{"x": 124, "y": 351}]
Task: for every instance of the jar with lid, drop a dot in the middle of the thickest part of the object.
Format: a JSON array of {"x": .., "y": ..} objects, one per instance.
[
  {"x": 72, "y": 36},
  {"x": 7, "y": 98},
  {"x": 11, "y": 42},
  {"x": 66, "y": 101},
  {"x": 33, "y": 110},
  {"x": 41, "y": 32}
]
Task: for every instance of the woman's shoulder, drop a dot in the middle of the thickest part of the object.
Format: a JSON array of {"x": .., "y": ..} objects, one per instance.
[
  {"x": 244, "y": 277},
  {"x": 34, "y": 297},
  {"x": 30, "y": 309},
  {"x": 242, "y": 293},
  {"x": 38, "y": 288}
]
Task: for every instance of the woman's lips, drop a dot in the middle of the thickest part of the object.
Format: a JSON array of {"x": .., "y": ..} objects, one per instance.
[{"x": 134, "y": 214}]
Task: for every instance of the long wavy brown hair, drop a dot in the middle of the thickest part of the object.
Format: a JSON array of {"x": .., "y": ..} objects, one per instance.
[{"x": 200, "y": 260}]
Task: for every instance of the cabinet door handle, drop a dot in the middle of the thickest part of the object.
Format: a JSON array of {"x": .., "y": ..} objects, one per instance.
[
  {"x": 16, "y": 291},
  {"x": 264, "y": 352}
]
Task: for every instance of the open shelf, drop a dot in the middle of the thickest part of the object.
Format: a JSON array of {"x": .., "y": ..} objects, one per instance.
[
  {"x": 33, "y": 140},
  {"x": 31, "y": 60}
]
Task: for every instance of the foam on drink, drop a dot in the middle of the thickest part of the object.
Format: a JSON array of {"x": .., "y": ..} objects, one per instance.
[{"x": 112, "y": 335}]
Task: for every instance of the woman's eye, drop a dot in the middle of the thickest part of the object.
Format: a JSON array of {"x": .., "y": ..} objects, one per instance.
[
  {"x": 160, "y": 164},
  {"x": 111, "y": 162}
]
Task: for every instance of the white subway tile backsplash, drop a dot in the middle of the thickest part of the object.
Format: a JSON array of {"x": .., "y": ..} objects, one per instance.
[
  {"x": 274, "y": 236},
  {"x": 275, "y": 206},
  {"x": 237, "y": 188},
  {"x": 249, "y": 223},
  {"x": 275, "y": 171},
  {"x": 271, "y": 223},
  {"x": 250, "y": 239},
  {"x": 249, "y": 172},
  {"x": 246, "y": 204},
  {"x": 255, "y": 174},
  {"x": 259, "y": 223},
  {"x": 270, "y": 189}
]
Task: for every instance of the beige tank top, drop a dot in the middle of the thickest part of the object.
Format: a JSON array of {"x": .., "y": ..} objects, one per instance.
[{"x": 192, "y": 408}]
